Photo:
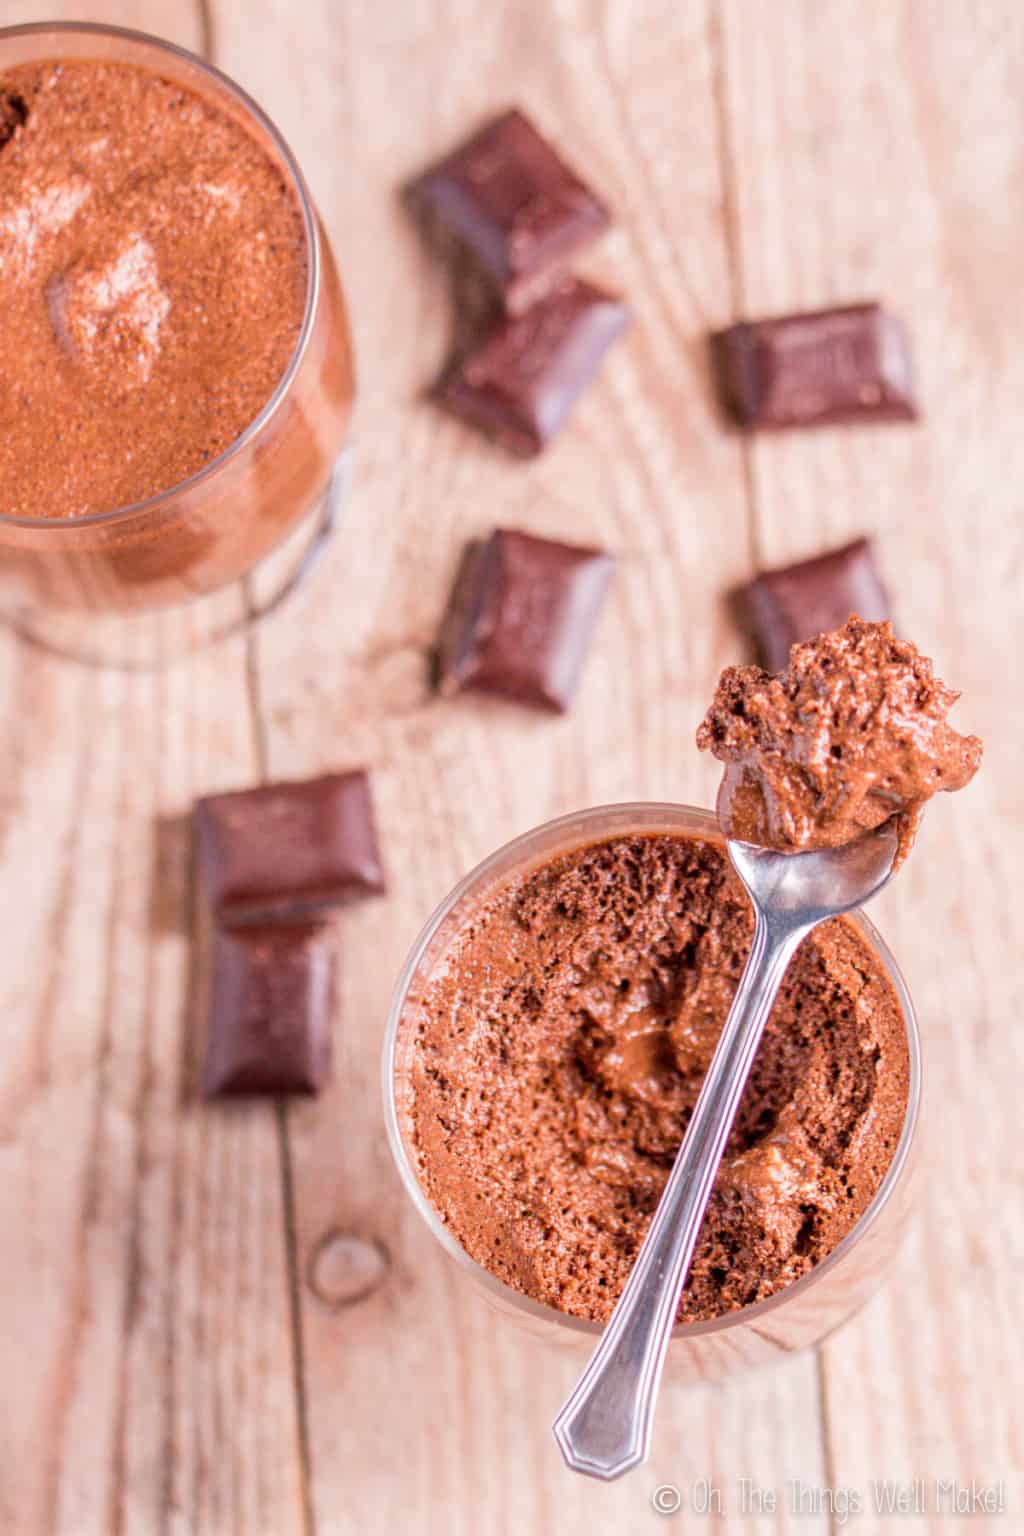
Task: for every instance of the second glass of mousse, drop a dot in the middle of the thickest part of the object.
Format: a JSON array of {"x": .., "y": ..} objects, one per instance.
[{"x": 178, "y": 379}]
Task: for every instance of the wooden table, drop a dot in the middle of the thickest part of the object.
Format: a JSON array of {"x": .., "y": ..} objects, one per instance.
[{"x": 166, "y": 1361}]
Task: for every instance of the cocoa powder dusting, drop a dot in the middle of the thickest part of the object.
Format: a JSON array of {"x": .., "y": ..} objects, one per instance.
[
  {"x": 559, "y": 1049},
  {"x": 152, "y": 284}
]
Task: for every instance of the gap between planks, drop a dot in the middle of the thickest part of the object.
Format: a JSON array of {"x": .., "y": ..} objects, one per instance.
[
  {"x": 725, "y": 150},
  {"x": 261, "y": 751}
]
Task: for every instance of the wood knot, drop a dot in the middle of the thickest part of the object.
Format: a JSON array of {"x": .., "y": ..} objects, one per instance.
[{"x": 344, "y": 1269}]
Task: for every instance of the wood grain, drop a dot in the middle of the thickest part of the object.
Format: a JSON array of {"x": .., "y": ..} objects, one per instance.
[
  {"x": 171, "y": 1359},
  {"x": 179, "y": 21}
]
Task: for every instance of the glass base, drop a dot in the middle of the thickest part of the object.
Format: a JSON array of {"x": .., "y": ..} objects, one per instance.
[{"x": 146, "y": 641}]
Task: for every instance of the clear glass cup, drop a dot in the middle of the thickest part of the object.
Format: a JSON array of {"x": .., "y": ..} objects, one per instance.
[
  {"x": 801, "y": 1314},
  {"x": 266, "y": 504}
]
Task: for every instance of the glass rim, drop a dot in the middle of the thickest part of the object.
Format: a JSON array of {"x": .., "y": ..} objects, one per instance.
[
  {"x": 313, "y": 271},
  {"x": 704, "y": 824}
]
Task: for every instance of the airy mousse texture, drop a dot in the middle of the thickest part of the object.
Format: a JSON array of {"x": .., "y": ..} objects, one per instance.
[
  {"x": 558, "y": 1051},
  {"x": 851, "y": 733},
  {"x": 152, "y": 284}
]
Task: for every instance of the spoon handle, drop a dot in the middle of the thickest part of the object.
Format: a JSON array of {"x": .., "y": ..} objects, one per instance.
[{"x": 605, "y": 1426}]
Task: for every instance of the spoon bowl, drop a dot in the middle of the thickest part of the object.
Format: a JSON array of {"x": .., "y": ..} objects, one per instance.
[{"x": 821, "y": 884}]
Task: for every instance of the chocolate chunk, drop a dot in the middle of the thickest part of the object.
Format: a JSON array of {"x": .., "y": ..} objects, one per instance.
[
  {"x": 782, "y": 607},
  {"x": 280, "y": 851},
  {"x": 514, "y": 203},
  {"x": 833, "y": 365},
  {"x": 522, "y": 378},
  {"x": 13, "y": 115},
  {"x": 520, "y": 619},
  {"x": 272, "y": 993}
]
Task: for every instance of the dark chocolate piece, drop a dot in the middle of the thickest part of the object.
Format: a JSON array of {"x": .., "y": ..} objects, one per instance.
[
  {"x": 783, "y": 607},
  {"x": 807, "y": 370},
  {"x": 271, "y": 999},
  {"x": 521, "y": 617},
  {"x": 13, "y": 114},
  {"x": 514, "y": 203},
  {"x": 521, "y": 380},
  {"x": 278, "y": 852}
]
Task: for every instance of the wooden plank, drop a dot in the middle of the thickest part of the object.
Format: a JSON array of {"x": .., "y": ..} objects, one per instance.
[
  {"x": 146, "y": 1354},
  {"x": 179, "y": 23},
  {"x": 878, "y": 154},
  {"x": 423, "y": 1413},
  {"x": 146, "y": 1350}
]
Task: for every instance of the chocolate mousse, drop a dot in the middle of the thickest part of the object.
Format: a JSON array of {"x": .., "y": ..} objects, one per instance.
[
  {"x": 558, "y": 1050},
  {"x": 851, "y": 733},
  {"x": 153, "y": 277}
]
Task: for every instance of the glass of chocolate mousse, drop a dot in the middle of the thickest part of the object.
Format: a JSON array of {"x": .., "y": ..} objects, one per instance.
[
  {"x": 546, "y": 1045},
  {"x": 178, "y": 375}
]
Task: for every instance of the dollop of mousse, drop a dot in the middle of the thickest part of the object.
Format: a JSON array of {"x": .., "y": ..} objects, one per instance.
[{"x": 851, "y": 733}]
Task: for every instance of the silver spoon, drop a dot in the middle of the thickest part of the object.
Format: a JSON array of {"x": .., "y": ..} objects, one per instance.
[{"x": 605, "y": 1427}]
